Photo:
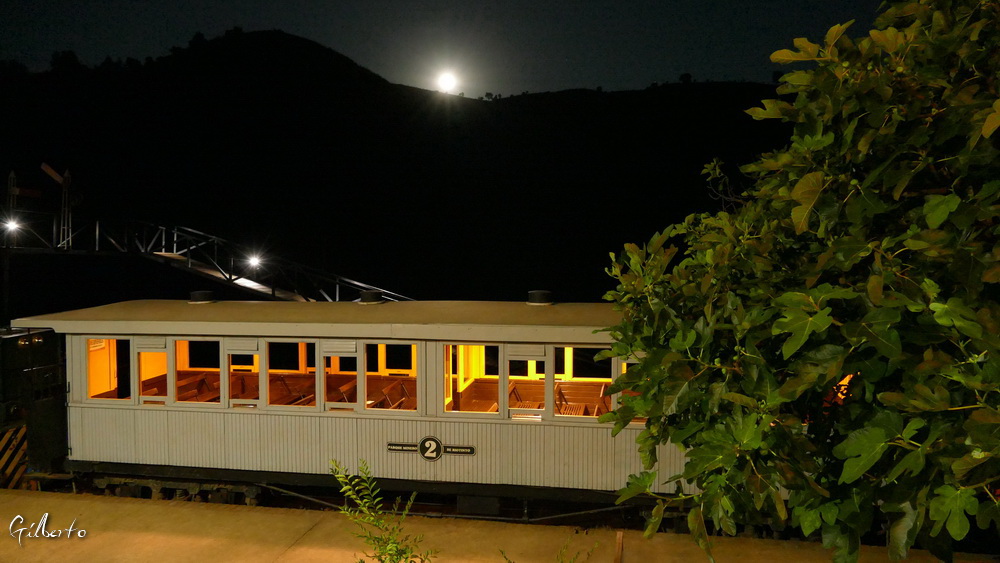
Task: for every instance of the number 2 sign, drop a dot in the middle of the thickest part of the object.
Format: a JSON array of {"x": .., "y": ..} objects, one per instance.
[{"x": 430, "y": 448}]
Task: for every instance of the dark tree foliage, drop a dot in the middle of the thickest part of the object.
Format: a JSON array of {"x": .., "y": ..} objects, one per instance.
[{"x": 868, "y": 246}]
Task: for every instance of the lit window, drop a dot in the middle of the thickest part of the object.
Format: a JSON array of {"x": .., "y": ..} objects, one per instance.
[
  {"x": 291, "y": 374},
  {"x": 153, "y": 374},
  {"x": 581, "y": 382},
  {"x": 471, "y": 378},
  {"x": 244, "y": 377},
  {"x": 526, "y": 388},
  {"x": 197, "y": 366},
  {"x": 341, "y": 373},
  {"x": 108, "y": 368},
  {"x": 391, "y": 376}
]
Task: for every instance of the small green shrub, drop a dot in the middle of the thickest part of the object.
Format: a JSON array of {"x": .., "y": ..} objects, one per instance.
[
  {"x": 563, "y": 555},
  {"x": 381, "y": 531}
]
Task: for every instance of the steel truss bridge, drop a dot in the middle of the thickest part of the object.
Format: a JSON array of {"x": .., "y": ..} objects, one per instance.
[{"x": 203, "y": 254}]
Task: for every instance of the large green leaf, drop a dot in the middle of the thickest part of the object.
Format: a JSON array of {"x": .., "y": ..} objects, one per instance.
[
  {"x": 835, "y": 32},
  {"x": 938, "y": 207},
  {"x": 656, "y": 516},
  {"x": 696, "y": 523},
  {"x": 772, "y": 109},
  {"x": 817, "y": 367},
  {"x": 969, "y": 461},
  {"x": 638, "y": 483},
  {"x": 784, "y": 56},
  {"x": 903, "y": 532},
  {"x": 913, "y": 462},
  {"x": 956, "y": 313},
  {"x": 740, "y": 399},
  {"x": 806, "y": 192},
  {"x": 988, "y": 512},
  {"x": 992, "y": 121},
  {"x": 949, "y": 509},
  {"x": 800, "y": 325},
  {"x": 809, "y": 520},
  {"x": 861, "y": 450}
]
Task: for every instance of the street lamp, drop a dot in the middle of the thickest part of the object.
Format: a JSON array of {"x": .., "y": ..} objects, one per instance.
[{"x": 10, "y": 226}]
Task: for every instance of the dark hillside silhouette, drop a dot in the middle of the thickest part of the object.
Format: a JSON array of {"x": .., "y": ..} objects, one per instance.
[{"x": 273, "y": 139}]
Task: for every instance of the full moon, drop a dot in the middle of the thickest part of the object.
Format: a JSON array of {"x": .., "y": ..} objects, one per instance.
[{"x": 447, "y": 82}]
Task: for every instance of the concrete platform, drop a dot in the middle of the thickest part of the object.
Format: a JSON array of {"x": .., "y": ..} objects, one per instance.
[{"x": 124, "y": 529}]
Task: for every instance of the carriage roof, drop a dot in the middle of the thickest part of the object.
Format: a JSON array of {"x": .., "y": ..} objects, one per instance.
[{"x": 427, "y": 320}]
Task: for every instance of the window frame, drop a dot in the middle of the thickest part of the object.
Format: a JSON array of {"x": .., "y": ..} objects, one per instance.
[
  {"x": 514, "y": 353},
  {"x": 615, "y": 367},
  {"x": 338, "y": 407},
  {"x": 143, "y": 345},
  {"x": 222, "y": 403},
  {"x": 236, "y": 346},
  {"x": 441, "y": 384},
  {"x": 265, "y": 374},
  {"x": 84, "y": 368},
  {"x": 425, "y": 392}
]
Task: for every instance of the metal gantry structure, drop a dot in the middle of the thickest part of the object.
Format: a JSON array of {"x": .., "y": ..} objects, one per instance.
[
  {"x": 197, "y": 252},
  {"x": 233, "y": 263}
]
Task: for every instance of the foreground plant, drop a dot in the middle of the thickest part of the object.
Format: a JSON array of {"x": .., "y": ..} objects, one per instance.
[
  {"x": 382, "y": 532},
  {"x": 868, "y": 247},
  {"x": 563, "y": 556}
]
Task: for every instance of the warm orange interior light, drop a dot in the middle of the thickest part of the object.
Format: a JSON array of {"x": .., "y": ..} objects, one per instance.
[
  {"x": 842, "y": 386},
  {"x": 153, "y": 373},
  {"x": 101, "y": 368}
]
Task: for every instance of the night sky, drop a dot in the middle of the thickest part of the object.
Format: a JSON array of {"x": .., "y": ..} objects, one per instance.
[{"x": 504, "y": 47}]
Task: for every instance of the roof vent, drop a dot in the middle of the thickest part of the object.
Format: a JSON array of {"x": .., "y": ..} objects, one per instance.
[
  {"x": 200, "y": 297},
  {"x": 370, "y": 297},
  {"x": 540, "y": 297}
]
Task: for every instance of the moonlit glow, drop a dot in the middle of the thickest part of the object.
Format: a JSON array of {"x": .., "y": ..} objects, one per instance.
[{"x": 447, "y": 82}]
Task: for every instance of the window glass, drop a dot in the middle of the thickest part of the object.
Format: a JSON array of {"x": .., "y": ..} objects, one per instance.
[
  {"x": 291, "y": 373},
  {"x": 341, "y": 373},
  {"x": 391, "y": 376},
  {"x": 244, "y": 377},
  {"x": 153, "y": 374},
  {"x": 533, "y": 369},
  {"x": 471, "y": 378},
  {"x": 581, "y": 382},
  {"x": 526, "y": 387},
  {"x": 108, "y": 368},
  {"x": 197, "y": 366}
]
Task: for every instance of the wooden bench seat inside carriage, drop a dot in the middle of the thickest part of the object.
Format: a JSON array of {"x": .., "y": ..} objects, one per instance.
[
  {"x": 342, "y": 388},
  {"x": 292, "y": 388},
  {"x": 244, "y": 385},
  {"x": 479, "y": 395},
  {"x": 581, "y": 398},
  {"x": 394, "y": 392},
  {"x": 526, "y": 395},
  {"x": 198, "y": 386},
  {"x": 154, "y": 386}
]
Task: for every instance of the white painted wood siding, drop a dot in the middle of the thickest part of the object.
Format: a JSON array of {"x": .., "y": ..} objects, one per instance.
[{"x": 534, "y": 453}]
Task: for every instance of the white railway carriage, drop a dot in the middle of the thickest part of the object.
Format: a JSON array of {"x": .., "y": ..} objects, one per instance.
[{"x": 495, "y": 393}]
